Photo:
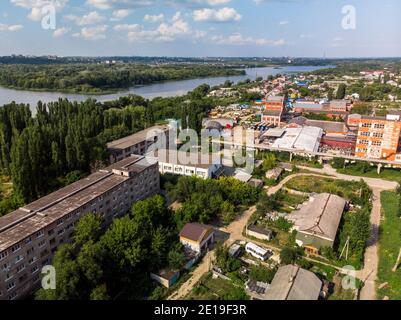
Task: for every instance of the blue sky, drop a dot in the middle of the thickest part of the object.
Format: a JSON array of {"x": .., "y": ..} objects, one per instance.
[{"x": 301, "y": 28}]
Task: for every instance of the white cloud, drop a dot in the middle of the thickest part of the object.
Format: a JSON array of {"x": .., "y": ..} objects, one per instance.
[
  {"x": 127, "y": 27},
  {"x": 11, "y": 28},
  {"x": 283, "y": 23},
  {"x": 120, "y": 14},
  {"x": 36, "y": 6},
  {"x": 169, "y": 31},
  {"x": 92, "y": 33},
  {"x": 60, "y": 32},
  {"x": 217, "y": 15},
  {"x": 153, "y": 18},
  {"x": 238, "y": 39},
  {"x": 91, "y": 18}
]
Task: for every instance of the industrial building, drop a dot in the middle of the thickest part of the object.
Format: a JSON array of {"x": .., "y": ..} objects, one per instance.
[
  {"x": 30, "y": 236},
  {"x": 273, "y": 110},
  {"x": 317, "y": 221},
  {"x": 138, "y": 143},
  {"x": 305, "y": 139}
]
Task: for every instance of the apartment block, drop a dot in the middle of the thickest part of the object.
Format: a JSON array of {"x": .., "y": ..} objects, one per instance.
[
  {"x": 30, "y": 236},
  {"x": 138, "y": 143},
  {"x": 379, "y": 138}
]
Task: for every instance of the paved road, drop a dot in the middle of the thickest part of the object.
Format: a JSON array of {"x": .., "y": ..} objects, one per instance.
[{"x": 368, "y": 274}]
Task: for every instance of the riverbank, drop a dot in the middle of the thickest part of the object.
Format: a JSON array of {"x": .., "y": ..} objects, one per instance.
[{"x": 160, "y": 89}]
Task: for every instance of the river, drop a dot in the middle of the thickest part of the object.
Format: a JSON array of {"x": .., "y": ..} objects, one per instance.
[{"x": 163, "y": 89}]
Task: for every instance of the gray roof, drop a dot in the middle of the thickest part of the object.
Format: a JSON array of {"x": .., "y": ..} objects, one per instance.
[
  {"x": 293, "y": 283},
  {"x": 274, "y": 133},
  {"x": 320, "y": 216},
  {"x": 328, "y": 125},
  {"x": 138, "y": 137},
  {"x": 275, "y": 99}
]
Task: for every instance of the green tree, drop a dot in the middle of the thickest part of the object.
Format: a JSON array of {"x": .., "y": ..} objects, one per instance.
[{"x": 89, "y": 228}]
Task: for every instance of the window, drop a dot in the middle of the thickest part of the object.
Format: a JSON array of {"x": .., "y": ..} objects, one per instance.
[
  {"x": 377, "y": 135},
  {"x": 376, "y": 143},
  {"x": 379, "y": 126},
  {"x": 365, "y": 134},
  {"x": 34, "y": 269},
  {"x": 60, "y": 222},
  {"x": 21, "y": 267},
  {"x": 40, "y": 234},
  {"x": 15, "y": 248},
  {"x": 18, "y": 258},
  {"x": 366, "y": 125},
  {"x": 12, "y": 296},
  {"x": 28, "y": 240},
  {"x": 3, "y": 255},
  {"x": 42, "y": 243},
  {"x": 6, "y": 267},
  {"x": 366, "y": 142},
  {"x": 29, "y": 251},
  {"x": 10, "y": 286}
]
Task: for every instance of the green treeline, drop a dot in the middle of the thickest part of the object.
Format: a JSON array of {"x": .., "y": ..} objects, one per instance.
[
  {"x": 66, "y": 140},
  {"x": 97, "y": 78}
]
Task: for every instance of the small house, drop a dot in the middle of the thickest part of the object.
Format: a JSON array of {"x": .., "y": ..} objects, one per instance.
[
  {"x": 197, "y": 237},
  {"x": 274, "y": 174},
  {"x": 259, "y": 233},
  {"x": 166, "y": 278}
]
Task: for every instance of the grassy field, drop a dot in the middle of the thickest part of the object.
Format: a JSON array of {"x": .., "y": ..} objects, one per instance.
[
  {"x": 215, "y": 289},
  {"x": 386, "y": 174},
  {"x": 389, "y": 246},
  {"x": 347, "y": 189}
]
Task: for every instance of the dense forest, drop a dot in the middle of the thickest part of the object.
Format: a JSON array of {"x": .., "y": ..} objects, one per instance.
[
  {"x": 66, "y": 140},
  {"x": 102, "y": 78}
]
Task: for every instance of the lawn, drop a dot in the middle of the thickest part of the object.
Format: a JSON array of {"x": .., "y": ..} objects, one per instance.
[{"x": 389, "y": 246}]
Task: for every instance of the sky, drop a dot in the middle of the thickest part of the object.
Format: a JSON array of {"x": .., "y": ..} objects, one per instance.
[{"x": 201, "y": 28}]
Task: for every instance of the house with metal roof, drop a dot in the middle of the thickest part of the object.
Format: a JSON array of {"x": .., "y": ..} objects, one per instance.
[
  {"x": 294, "y": 283},
  {"x": 317, "y": 221}
]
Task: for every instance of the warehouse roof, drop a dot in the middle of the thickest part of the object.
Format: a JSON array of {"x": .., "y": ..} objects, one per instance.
[
  {"x": 302, "y": 138},
  {"x": 138, "y": 137},
  {"x": 293, "y": 283},
  {"x": 320, "y": 216}
]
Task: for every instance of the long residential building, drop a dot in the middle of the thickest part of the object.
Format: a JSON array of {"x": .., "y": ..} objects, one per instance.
[
  {"x": 138, "y": 143},
  {"x": 30, "y": 236},
  {"x": 379, "y": 138}
]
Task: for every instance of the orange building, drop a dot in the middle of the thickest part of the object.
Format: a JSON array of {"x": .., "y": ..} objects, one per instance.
[
  {"x": 273, "y": 110},
  {"x": 379, "y": 138}
]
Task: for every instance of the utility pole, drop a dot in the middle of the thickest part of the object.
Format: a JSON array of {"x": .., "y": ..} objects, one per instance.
[
  {"x": 398, "y": 262},
  {"x": 346, "y": 247}
]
